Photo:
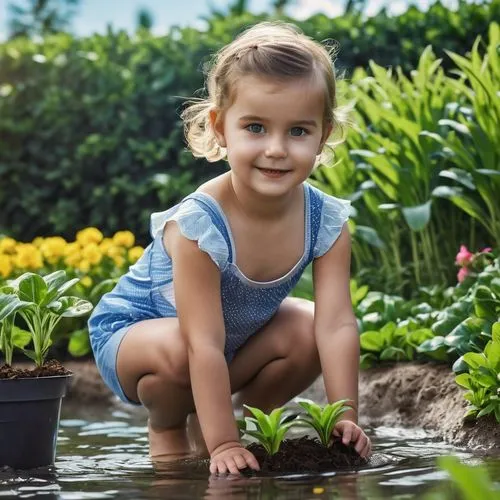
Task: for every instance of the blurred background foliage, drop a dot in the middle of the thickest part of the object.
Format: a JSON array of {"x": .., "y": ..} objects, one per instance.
[{"x": 90, "y": 133}]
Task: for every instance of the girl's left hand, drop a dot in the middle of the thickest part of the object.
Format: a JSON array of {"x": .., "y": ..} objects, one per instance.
[{"x": 351, "y": 433}]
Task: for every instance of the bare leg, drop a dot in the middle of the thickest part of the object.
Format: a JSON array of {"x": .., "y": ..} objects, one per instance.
[
  {"x": 276, "y": 364},
  {"x": 280, "y": 361},
  {"x": 152, "y": 368}
]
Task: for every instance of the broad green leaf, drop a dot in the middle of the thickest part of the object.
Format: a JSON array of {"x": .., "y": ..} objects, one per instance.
[
  {"x": 371, "y": 341},
  {"x": 461, "y": 176},
  {"x": 20, "y": 338},
  {"x": 418, "y": 217},
  {"x": 10, "y": 304},
  {"x": 369, "y": 235},
  {"x": 393, "y": 354},
  {"x": 495, "y": 331},
  {"x": 475, "y": 360},
  {"x": 32, "y": 288},
  {"x": 464, "y": 380}
]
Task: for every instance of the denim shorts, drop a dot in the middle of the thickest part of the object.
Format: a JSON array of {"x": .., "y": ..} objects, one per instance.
[{"x": 105, "y": 357}]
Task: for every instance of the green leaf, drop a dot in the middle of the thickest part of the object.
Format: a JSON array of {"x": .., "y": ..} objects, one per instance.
[
  {"x": 70, "y": 307},
  {"x": 475, "y": 360},
  {"x": 262, "y": 420},
  {"x": 369, "y": 235},
  {"x": 371, "y": 341},
  {"x": 495, "y": 332},
  {"x": 10, "y": 304},
  {"x": 32, "y": 288},
  {"x": 464, "y": 380},
  {"x": 417, "y": 217},
  {"x": 393, "y": 354},
  {"x": 20, "y": 338},
  {"x": 79, "y": 343}
]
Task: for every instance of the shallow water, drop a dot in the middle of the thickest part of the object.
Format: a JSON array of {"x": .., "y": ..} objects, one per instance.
[{"x": 103, "y": 453}]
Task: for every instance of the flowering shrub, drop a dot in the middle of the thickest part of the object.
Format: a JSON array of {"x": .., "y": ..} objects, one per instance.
[
  {"x": 471, "y": 263},
  {"x": 95, "y": 260},
  {"x": 91, "y": 255}
]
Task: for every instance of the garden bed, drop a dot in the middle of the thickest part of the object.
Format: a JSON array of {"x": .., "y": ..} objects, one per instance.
[{"x": 406, "y": 394}]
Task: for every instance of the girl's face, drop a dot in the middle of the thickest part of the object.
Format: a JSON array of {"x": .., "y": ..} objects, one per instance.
[{"x": 272, "y": 131}]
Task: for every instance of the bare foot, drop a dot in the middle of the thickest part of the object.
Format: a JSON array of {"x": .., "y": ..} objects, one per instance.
[
  {"x": 195, "y": 436},
  {"x": 168, "y": 444}
]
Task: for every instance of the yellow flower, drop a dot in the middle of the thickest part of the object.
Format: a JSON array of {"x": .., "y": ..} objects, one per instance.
[
  {"x": 318, "y": 490},
  {"x": 84, "y": 265},
  {"x": 105, "y": 244},
  {"x": 38, "y": 241},
  {"x": 7, "y": 245},
  {"x": 53, "y": 248},
  {"x": 73, "y": 254},
  {"x": 92, "y": 253},
  {"x": 86, "y": 281},
  {"x": 114, "y": 251},
  {"x": 72, "y": 248},
  {"x": 124, "y": 238},
  {"x": 5, "y": 266},
  {"x": 89, "y": 235},
  {"x": 73, "y": 260},
  {"x": 28, "y": 256},
  {"x": 135, "y": 253},
  {"x": 118, "y": 260}
]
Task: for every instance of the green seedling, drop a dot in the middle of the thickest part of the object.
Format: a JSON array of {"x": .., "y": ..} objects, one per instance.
[
  {"x": 321, "y": 419},
  {"x": 44, "y": 305},
  {"x": 9, "y": 334},
  {"x": 270, "y": 429}
]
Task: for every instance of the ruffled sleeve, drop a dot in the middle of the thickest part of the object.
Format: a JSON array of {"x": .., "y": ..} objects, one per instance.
[
  {"x": 334, "y": 214},
  {"x": 195, "y": 224}
]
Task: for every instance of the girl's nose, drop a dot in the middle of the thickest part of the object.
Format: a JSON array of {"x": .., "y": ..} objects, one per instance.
[{"x": 275, "y": 148}]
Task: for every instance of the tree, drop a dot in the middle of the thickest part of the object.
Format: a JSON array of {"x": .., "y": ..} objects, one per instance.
[
  {"x": 355, "y": 6},
  {"x": 145, "y": 19},
  {"x": 40, "y": 17}
]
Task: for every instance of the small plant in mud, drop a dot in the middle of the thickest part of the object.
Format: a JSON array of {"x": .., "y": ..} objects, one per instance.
[
  {"x": 301, "y": 454},
  {"x": 270, "y": 429},
  {"x": 321, "y": 419}
]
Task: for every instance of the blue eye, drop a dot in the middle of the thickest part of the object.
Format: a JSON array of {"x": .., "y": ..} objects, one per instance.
[
  {"x": 255, "y": 128},
  {"x": 297, "y": 131}
]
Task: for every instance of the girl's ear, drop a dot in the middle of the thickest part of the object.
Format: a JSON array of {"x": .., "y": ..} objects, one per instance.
[
  {"x": 326, "y": 133},
  {"x": 217, "y": 123}
]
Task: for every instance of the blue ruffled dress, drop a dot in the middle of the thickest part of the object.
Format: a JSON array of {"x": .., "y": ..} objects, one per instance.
[{"x": 146, "y": 291}]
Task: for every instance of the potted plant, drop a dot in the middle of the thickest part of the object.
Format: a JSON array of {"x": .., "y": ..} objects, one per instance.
[
  {"x": 302, "y": 454},
  {"x": 30, "y": 399}
]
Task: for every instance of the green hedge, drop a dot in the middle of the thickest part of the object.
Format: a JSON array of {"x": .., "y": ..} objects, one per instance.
[{"x": 90, "y": 132}]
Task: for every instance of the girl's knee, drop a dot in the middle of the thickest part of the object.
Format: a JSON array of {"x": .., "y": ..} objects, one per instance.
[{"x": 301, "y": 331}]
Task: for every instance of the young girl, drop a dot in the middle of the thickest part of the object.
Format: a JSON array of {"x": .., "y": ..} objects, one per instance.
[{"x": 204, "y": 313}]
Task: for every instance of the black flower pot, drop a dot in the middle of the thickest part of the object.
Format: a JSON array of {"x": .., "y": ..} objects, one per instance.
[{"x": 29, "y": 420}]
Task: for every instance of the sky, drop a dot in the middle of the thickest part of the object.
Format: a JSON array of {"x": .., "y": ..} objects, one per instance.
[{"x": 94, "y": 15}]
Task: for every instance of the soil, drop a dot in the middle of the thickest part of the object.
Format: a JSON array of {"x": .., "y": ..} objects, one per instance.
[
  {"x": 306, "y": 455},
  {"x": 48, "y": 369},
  {"x": 422, "y": 395},
  {"x": 411, "y": 395}
]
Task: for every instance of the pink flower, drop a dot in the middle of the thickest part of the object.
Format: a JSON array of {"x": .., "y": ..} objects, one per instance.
[
  {"x": 464, "y": 256},
  {"x": 462, "y": 274},
  {"x": 486, "y": 250}
]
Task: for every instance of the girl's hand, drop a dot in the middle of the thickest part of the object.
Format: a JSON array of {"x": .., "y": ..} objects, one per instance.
[
  {"x": 232, "y": 459},
  {"x": 351, "y": 433}
]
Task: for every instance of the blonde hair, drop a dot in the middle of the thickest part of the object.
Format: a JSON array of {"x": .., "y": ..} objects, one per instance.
[{"x": 268, "y": 49}]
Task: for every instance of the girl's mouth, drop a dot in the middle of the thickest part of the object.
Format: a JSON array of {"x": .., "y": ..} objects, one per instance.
[{"x": 273, "y": 172}]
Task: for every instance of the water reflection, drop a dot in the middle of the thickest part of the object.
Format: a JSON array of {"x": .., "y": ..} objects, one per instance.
[{"x": 103, "y": 454}]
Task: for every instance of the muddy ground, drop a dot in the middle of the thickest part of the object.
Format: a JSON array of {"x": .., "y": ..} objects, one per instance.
[{"x": 406, "y": 395}]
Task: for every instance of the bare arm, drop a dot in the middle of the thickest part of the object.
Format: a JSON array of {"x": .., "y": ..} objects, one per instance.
[
  {"x": 335, "y": 324},
  {"x": 199, "y": 308}
]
